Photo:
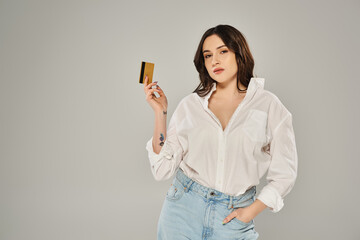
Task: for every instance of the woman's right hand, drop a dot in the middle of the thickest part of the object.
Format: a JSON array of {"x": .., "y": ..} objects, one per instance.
[{"x": 157, "y": 104}]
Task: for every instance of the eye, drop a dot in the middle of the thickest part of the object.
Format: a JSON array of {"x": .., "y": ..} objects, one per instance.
[{"x": 224, "y": 51}]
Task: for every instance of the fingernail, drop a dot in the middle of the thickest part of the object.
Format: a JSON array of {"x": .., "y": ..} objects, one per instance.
[{"x": 224, "y": 222}]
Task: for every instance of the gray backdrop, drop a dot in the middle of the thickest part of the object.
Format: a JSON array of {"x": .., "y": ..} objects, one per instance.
[{"x": 74, "y": 119}]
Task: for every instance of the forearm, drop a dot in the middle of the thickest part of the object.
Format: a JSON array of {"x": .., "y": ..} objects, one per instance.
[
  {"x": 256, "y": 207},
  {"x": 159, "y": 130}
]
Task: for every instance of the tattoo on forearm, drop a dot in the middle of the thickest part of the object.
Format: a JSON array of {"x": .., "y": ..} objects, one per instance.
[{"x": 161, "y": 139}]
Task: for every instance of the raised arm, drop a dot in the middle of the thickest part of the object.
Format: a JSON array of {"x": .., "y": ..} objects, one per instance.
[{"x": 164, "y": 149}]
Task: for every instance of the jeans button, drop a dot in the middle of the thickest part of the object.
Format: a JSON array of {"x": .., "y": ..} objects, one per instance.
[{"x": 212, "y": 193}]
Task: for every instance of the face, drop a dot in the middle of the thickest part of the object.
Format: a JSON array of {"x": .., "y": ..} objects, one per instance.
[{"x": 217, "y": 55}]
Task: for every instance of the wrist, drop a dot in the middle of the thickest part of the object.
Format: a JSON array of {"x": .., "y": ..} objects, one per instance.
[{"x": 161, "y": 113}]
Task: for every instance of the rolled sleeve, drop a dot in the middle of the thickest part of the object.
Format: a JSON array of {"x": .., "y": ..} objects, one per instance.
[
  {"x": 165, "y": 152},
  {"x": 282, "y": 171}
]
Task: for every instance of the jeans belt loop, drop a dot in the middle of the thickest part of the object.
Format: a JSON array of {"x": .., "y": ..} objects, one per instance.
[
  {"x": 188, "y": 185},
  {"x": 231, "y": 203}
]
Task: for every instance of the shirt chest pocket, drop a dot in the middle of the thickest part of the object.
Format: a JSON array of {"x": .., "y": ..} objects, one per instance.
[{"x": 255, "y": 125}]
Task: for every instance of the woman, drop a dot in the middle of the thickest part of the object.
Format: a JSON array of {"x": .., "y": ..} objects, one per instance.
[{"x": 221, "y": 140}]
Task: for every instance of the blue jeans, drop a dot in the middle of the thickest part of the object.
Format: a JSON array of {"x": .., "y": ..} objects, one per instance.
[{"x": 193, "y": 211}]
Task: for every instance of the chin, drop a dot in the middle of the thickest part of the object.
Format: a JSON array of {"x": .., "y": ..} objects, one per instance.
[{"x": 221, "y": 79}]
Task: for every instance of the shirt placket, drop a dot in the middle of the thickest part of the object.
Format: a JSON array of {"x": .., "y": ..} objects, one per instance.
[
  {"x": 220, "y": 161},
  {"x": 220, "y": 170},
  {"x": 221, "y": 153}
]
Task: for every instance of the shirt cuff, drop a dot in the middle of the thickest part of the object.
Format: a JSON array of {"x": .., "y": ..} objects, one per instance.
[
  {"x": 166, "y": 151},
  {"x": 270, "y": 197}
]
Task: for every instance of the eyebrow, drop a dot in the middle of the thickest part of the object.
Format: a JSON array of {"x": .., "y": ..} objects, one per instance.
[{"x": 216, "y": 48}]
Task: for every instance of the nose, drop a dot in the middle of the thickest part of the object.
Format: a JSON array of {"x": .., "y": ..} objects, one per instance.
[{"x": 215, "y": 60}]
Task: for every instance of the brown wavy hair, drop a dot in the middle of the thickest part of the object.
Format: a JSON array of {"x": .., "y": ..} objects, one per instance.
[{"x": 236, "y": 42}]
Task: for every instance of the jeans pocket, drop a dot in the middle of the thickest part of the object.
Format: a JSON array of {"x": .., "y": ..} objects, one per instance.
[
  {"x": 242, "y": 222},
  {"x": 244, "y": 204},
  {"x": 176, "y": 191}
]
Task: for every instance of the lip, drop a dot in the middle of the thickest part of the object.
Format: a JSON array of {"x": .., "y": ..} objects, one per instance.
[{"x": 218, "y": 70}]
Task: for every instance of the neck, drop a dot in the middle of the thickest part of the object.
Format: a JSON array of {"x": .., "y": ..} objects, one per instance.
[{"x": 229, "y": 90}]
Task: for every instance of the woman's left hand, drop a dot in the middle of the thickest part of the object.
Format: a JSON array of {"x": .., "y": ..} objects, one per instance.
[{"x": 243, "y": 214}]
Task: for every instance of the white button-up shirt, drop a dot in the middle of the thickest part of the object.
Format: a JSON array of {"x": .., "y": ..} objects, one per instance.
[{"x": 259, "y": 138}]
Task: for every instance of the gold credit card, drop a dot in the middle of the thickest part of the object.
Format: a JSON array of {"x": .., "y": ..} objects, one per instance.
[{"x": 147, "y": 68}]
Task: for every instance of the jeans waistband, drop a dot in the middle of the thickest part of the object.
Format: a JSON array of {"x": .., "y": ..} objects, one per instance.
[{"x": 211, "y": 194}]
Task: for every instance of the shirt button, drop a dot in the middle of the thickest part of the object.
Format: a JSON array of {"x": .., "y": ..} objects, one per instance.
[{"x": 212, "y": 193}]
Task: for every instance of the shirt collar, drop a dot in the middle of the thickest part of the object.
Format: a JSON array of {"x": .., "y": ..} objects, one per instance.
[{"x": 254, "y": 84}]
